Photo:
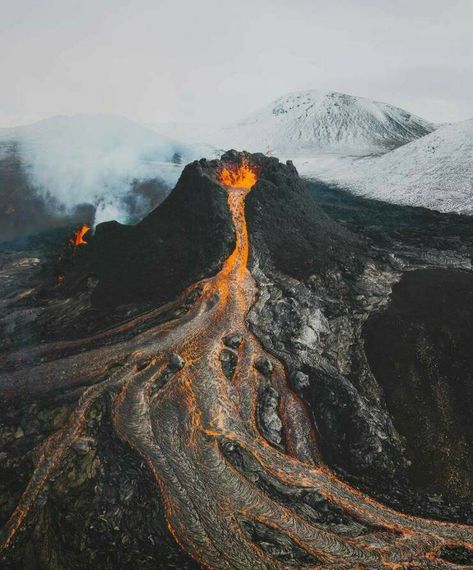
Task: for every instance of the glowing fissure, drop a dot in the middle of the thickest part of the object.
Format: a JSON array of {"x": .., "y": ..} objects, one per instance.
[{"x": 178, "y": 420}]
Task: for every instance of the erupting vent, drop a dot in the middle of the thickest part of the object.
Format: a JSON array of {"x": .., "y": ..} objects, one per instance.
[
  {"x": 78, "y": 238},
  {"x": 238, "y": 176},
  {"x": 69, "y": 251}
]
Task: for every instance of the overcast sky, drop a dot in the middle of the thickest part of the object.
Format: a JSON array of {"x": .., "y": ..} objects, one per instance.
[{"x": 216, "y": 60}]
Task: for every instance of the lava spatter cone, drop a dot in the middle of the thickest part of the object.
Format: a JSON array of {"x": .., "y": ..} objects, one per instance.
[{"x": 189, "y": 236}]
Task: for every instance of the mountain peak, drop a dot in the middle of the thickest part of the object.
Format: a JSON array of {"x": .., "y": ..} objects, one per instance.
[{"x": 304, "y": 122}]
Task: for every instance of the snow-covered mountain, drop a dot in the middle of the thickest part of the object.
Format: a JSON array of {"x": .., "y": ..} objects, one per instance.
[
  {"x": 97, "y": 160},
  {"x": 435, "y": 171},
  {"x": 367, "y": 147},
  {"x": 308, "y": 122}
]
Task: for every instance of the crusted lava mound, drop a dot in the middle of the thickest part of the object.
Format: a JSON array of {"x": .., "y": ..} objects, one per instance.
[{"x": 223, "y": 385}]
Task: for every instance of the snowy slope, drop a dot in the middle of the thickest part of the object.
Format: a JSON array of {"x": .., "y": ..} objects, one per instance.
[
  {"x": 308, "y": 122},
  {"x": 94, "y": 159},
  {"x": 435, "y": 171}
]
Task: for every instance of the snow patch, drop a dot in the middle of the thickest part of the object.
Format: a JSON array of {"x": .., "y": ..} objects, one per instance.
[{"x": 435, "y": 171}]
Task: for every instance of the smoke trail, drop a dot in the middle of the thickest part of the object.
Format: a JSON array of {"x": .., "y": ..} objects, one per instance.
[{"x": 98, "y": 160}]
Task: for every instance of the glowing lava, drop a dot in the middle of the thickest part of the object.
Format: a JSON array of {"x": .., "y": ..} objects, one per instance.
[
  {"x": 241, "y": 176},
  {"x": 78, "y": 238}
]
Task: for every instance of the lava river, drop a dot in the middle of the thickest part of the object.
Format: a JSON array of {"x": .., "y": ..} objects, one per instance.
[{"x": 233, "y": 498}]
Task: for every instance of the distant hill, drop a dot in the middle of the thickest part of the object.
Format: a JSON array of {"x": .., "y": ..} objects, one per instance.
[
  {"x": 308, "y": 122},
  {"x": 435, "y": 171}
]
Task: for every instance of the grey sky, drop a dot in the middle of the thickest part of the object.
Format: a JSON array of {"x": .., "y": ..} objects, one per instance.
[{"x": 215, "y": 60}]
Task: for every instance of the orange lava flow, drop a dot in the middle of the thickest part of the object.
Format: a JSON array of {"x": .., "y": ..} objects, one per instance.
[
  {"x": 241, "y": 176},
  {"x": 203, "y": 497},
  {"x": 78, "y": 238}
]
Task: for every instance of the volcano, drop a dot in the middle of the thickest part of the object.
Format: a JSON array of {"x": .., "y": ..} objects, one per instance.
[{"x": 197, "y": 392}]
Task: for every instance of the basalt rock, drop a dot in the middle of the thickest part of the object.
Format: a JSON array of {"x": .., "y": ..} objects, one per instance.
[
  {"x": 176, "y": 362},
  {"x": 229, "y": 360},
  {"x": 290, "y": 232},
  {"x": 233, "y": 340}
]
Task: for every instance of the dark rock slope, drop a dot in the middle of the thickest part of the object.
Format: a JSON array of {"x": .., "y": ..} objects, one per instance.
[
  {"x": 183, "y": 240},
  {"x": 288, "y": 227},
  {"x": 419, "y": 349}
]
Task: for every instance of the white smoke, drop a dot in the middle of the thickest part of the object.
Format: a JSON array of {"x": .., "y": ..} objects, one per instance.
[{"x": 96, "y": 160}]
